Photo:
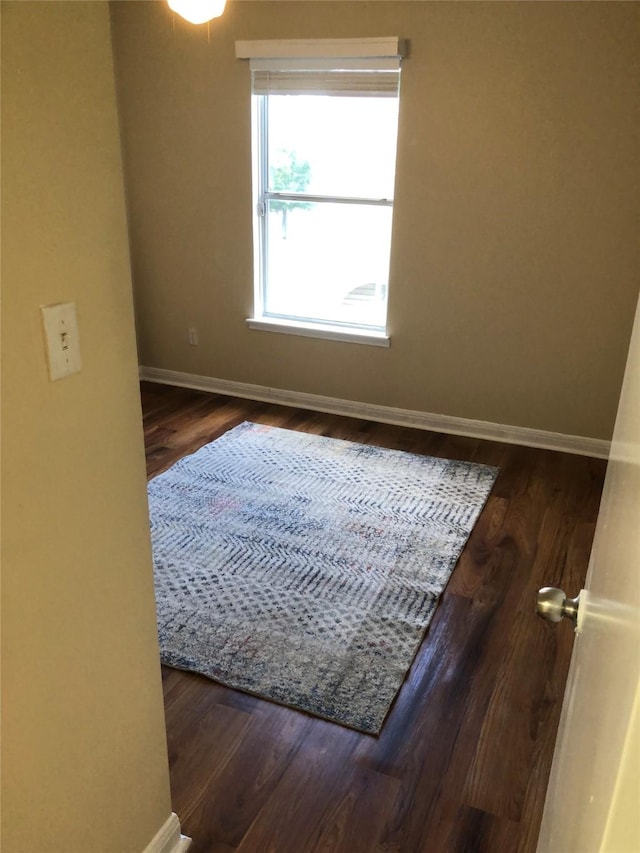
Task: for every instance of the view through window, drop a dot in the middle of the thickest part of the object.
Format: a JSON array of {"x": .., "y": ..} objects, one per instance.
[{"x": 325, "y": 171}]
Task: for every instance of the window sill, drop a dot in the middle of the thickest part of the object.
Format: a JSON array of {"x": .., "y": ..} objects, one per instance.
[{"x": 314, "y": 330}]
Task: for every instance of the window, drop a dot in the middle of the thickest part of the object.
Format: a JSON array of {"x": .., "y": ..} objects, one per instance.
[{"x": 324, "y": 152}]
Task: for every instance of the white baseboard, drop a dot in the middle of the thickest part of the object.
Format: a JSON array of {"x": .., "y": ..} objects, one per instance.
[
  {"x": 169, "y": 839},
  {"x": 542, "y": 439}
]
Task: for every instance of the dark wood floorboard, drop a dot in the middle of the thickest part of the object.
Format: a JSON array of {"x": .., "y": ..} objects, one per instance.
[{"x": 463, "y": 759}]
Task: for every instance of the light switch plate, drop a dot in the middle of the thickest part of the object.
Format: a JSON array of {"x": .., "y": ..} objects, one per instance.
[{"x": 61, "y": 336}]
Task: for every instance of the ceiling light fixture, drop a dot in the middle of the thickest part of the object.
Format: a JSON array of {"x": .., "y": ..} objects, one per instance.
[{"x": 198, "y": 11}]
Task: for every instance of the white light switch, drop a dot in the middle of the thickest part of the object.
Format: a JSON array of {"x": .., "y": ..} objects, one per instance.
[{"x": 61, "y": 336}]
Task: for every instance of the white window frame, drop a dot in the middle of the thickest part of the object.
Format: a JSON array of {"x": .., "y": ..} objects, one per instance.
[{"x": 304, "y": 55}]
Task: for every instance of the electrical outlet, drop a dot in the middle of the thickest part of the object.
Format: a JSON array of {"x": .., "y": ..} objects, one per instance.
[
  {"x": 193, "y": 337},
  {"x": 61, "y": 335}
]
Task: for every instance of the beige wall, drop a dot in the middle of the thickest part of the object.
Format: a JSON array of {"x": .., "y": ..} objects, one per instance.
[
  {"x": 515, "y": 264},
  {"x": 84, "y": 762}
]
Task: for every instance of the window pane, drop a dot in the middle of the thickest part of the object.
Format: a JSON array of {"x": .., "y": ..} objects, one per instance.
[
  {"x": 338, "y": 146},
  {"x": 328, "y": 262}
]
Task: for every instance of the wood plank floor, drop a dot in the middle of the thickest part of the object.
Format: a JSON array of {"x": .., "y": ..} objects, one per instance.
[{"x": 462, "y": 762}]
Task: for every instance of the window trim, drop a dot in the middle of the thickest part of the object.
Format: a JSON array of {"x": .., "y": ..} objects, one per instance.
[
  {"x": 347, "y": 334},
  {"x": 305, "y": 55},
  {"x": 390, "y": 46}
]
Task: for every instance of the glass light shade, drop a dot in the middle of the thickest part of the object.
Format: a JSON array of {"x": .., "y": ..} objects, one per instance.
[{"x": 198, "y": 11}]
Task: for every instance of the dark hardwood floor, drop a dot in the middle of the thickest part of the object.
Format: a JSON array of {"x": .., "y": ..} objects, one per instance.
[{"x": 462, "y": 762}]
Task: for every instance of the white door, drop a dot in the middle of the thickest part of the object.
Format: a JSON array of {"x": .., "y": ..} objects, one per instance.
[{"x": 593, "y": 798}]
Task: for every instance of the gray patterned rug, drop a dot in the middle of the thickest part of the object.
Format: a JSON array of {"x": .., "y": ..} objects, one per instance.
[{"x": 306, "y": 569}]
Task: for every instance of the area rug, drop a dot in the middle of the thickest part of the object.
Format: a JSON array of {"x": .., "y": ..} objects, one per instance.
[{"x": 306, "y": 569}]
